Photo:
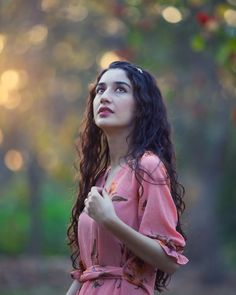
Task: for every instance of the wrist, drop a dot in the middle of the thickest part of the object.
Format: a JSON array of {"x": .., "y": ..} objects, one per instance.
[{"x": 109, "y": 221}]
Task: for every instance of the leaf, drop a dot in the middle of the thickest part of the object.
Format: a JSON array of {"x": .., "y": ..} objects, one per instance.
[
  {"x": 118, "y": 198},
  {"x": 198, "y": 43}
]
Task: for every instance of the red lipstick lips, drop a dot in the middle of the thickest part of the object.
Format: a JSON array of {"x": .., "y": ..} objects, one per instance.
[{"x": 104, "y": 110}]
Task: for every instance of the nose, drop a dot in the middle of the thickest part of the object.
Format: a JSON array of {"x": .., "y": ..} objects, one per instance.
[{"x": 105, "y": 97}]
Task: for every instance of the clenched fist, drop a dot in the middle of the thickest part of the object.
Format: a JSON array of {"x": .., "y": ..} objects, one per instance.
[{"x": 98, "y": 205}]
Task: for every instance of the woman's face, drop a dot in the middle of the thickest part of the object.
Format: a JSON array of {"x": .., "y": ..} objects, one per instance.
[{"x": 114, "y": 105}]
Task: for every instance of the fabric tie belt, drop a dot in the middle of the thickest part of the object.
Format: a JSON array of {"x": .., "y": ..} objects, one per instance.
[
  {"x": 107, "y": 272},
  {"x": 97, "y": 271}
]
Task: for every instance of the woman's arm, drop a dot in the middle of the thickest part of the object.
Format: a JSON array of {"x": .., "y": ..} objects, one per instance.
[
  {"x": 75, "y": 286},
  {"x": 100, "y": 208},
  {"x": 144, "y": 247}
]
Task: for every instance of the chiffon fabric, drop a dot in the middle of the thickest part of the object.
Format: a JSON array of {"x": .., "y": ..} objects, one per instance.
[{"x": 107, "y": 266}]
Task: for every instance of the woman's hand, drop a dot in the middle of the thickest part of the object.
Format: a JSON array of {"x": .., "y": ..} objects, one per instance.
[{"x": 98, "y": 205}]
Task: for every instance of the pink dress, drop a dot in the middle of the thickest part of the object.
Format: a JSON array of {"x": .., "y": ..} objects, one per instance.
[{"x": 107, "y": 265}]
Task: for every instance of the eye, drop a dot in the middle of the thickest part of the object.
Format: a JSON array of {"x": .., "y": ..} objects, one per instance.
[
  {"x": 120, "y": 89},
  {"x": 100, "y": 90}
]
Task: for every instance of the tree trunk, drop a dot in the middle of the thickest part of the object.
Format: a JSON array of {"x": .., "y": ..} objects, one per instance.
[{"x": 35, "y": 205}]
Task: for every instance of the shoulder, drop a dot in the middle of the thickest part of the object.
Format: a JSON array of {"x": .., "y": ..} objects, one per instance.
[{"x": 151, "y": 162}]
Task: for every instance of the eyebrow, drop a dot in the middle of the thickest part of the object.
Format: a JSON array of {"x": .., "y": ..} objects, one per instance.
[{"x": 116, "y": 83}]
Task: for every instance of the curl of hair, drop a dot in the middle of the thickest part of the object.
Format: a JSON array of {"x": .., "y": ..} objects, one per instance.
[{"x": 151, "y": 133}]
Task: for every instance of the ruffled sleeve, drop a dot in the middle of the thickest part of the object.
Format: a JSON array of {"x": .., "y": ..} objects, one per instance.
[{"x": 157, "y": 210}]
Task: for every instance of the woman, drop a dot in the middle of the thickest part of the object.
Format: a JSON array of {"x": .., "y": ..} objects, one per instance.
[{"x": 125, "y": 230}]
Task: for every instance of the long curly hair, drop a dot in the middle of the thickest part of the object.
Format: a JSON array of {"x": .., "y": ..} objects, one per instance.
[{"x": 151, "y": 132}]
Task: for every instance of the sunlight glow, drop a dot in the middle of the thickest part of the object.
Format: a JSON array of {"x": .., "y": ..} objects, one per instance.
[
  {"x": 108, "y": 58},
  {"x": 230, "y": 17},
  {"x": 13, "y": 160},
  {"x": 10, "y": 79},
  {"x": 172, "y": 14}
]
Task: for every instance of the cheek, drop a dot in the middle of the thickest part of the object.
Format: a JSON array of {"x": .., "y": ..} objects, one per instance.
[
  {"x": 129, "y": 106},
  {"x": 95, "y": 105}
]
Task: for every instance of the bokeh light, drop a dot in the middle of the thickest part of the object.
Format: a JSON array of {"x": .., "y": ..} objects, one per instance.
[
  {"x": 108, "y": 58},
  {"x": 10, "y": 79},
  {"x": 13, "y": 160},
  {"x": 38, "y": 34},
  {"x": 48, "y": 5},
  {"x": 76, "y": 12},
  {"x": 10, "y": 82},
  {"x": 113, "y": 26},
  {"x": 230, "y": 17},
  {"x": 172, "y": 14}
]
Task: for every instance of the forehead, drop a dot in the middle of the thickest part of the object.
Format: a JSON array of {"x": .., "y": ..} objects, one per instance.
[{"x": 114, "y": 75}]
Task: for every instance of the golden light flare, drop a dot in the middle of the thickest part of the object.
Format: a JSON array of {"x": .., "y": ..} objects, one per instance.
[
  {"x": 13, "y": 160},
  {"x": 38, "y": 34},
  {"x": 2, "y": 42},
  {"x": 107, "y": 58},
  {"x": 1, "y": 136},
  {"x": 10, "y": 79},
  {"x": 172, "y": 15},
  {"x": 230, "y": 17}
]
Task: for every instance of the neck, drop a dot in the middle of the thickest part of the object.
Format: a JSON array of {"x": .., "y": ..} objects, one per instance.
[{"x": 118, "y": 147}]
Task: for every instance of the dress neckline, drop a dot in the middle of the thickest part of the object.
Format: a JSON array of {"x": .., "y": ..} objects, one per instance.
[{"x": 115, "y": 176}]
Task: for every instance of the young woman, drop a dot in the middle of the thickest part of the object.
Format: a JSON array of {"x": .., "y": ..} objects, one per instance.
[{"x": 125, "y": 230}]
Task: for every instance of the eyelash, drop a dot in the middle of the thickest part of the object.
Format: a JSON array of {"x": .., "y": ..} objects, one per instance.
[{"x": 103, "y": 89}]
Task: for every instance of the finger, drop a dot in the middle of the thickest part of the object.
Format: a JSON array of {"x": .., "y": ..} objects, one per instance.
[
  {"x": 105, "y": 193},
  {"x": 95, "y": 191},
  {"x": 99, "y": 189},
  {"x": 86, "y": 210}
]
